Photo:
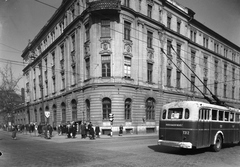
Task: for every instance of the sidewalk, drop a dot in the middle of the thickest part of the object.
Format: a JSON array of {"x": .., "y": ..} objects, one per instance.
[{"x": 63, "y": 138}]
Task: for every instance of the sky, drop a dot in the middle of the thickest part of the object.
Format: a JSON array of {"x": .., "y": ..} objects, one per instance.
[{"x": 21, "y": 20}]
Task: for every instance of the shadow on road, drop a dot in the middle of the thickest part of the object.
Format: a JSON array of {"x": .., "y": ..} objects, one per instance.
[
  {"x": 181, "y": 151},
  {"x": 178, "y": 151}
]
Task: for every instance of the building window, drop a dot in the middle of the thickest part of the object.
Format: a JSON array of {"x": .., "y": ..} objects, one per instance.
[
  {"x": 62, "y": 51},
  {"x": 178, "y": 51},
  {"x": 105, "y": 28},
  {"x": 35, "y": 114},
  {"x": 215, "y": 88},
  {"x": 179, "y": 26},
  {"x": 54, "y": 108},
  {"x": 127, "y": 30},
  {"x": 54, "y": 85},
  {"x": 205, "y": 41},
  {"x": 127, "y": 3},
  {"x": 61, "y": 25},
  {"x": 149, "y": 11},
  {"x": 233, "y": 92},
  {"x": 169, "y": 19},
  {"x": 150, "y": 109},
  {"x": 128, "y": 108},
  {"x": 106, "y": 107},
  {"x": 205, "y": 81},
  {"x": 225, "y": 90},
  {"x": 225, "y": 72},
  {"x": 233, "y": 74},
  {"x": 225, "y": 51},
  {"x": 192, "y": 83},
  {"x": 72, "y": 14},
  {"x": 193, "y": 35},
  {"x": 233, "y": 56},
  {"x": 149, "y": 39},
  {"x": 64, "y": 116},
  {"x": 169, "y": 45},
  {"x": 169, "y": 75},
  {"x": 74, "y": 110},
  {"x": 106, "y": 68},
  {"x": 73, "y": 42},
  {"x": 88, "y": 110},
  {"x": 149, "y": 72},
  {"x": 178, "y": 85},
  {"x": 87, "y": 32},
  {"x": 216, "y": 47},
  {"x": 87, "y": 61},
  {"x": 63, "y": 83},
  {"x": 127, "y": 67}
]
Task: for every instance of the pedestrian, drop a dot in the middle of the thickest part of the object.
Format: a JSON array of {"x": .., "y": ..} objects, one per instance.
[
  {"x": 120, "y": 130},
  {"x": 14, "y": 132},
  {"x": 91, "y": 131},
  {"x": 74, "y": 129},
  {"x": 69, "y": 130},
  {"x": 97, "y": 131},
  {"x": 83, "y": 130}
]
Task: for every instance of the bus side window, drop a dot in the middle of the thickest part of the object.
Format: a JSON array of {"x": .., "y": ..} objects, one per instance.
[
  {"x": 186, "y": 116},
  {"x": 231, "y": 117},
  {"x": 206, "y": 116},
  {"x": 164, "y": 114},
  {"x": 220, "y": 116},
  {"x": 226, "y": 116},
  {"x": 237, "y": 118},
  {"x": 200, "y": 114},
  {"x": 214, "y": 114}
]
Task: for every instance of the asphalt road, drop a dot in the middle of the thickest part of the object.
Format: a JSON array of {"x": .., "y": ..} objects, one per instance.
[{"x": 125, "y": 151}]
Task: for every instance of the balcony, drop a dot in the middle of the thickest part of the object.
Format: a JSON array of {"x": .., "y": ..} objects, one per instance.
[{"x": 98, "y": 5}]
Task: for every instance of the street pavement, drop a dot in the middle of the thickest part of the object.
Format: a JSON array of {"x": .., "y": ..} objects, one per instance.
[{"x": 132, "y": 150}]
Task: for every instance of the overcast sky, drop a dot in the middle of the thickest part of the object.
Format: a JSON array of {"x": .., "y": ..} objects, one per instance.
[{"x": 21, "y": 20}]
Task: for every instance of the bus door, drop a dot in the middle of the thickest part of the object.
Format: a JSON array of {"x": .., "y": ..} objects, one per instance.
[
  {"x": 203, "y": 128},
  {"x": 237, "y": 126}
]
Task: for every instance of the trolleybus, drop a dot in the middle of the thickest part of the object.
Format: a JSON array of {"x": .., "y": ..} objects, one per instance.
[{"x": 194, "y": 124}]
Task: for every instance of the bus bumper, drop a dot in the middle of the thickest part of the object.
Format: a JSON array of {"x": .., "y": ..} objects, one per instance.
[{"x": 175, "y": 144}]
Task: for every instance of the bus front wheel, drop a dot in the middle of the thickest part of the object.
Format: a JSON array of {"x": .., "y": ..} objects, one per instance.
[{"x": 218, "y": 144}]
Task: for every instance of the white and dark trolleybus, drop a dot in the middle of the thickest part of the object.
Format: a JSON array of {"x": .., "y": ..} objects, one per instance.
[{"x": 195, "y": 124}]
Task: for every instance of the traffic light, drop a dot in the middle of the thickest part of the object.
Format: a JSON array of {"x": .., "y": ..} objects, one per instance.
[{"x": 111, "y": 117}]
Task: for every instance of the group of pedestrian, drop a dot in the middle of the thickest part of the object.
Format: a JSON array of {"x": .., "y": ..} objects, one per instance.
[
  {"x": 88, "y": 130},
  {"x": 70, "y": 129}
]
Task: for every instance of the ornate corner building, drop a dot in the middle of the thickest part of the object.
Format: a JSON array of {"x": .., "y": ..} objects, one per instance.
[{"x": 95, "y": 57}]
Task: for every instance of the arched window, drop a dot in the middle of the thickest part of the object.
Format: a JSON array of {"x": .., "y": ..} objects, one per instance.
[
  {"x": 74, "y": 110},
  {"x": 128, "y": 108},
  {"x": 64, "y": 116},
  {"x": 35, "y": 114},
  {"x": 150, "y": 109},
  {"x": 106, "y": 107},
  {"x": 54, "y": 108},
  {"x": 88, "y": 110}
]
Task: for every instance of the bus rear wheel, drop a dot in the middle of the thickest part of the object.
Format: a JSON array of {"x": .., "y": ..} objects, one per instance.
[{"x": 218, "y": 144}]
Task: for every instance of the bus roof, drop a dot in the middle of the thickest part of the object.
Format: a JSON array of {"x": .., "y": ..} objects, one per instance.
[{"x": 193, "y": 104}]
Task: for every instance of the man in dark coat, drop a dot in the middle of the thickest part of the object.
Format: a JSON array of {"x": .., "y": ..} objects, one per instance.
[{"x": 83, "y": 130}]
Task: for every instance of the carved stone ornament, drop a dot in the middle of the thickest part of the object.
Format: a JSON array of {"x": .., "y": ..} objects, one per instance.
[
  {"x": 106, "y": 46},
  {"x": 150, "y": 54},
  {"x": 127, "y": 48},
  {"x": 179, "y": 63},
  {"x": 150, "y": 2}
]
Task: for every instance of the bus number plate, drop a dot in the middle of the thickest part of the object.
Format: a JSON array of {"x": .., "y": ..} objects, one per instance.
[{"x": 185, "y": 132}]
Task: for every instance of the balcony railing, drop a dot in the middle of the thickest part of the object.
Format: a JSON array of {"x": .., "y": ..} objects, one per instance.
[{"x": 105, "y": 4}]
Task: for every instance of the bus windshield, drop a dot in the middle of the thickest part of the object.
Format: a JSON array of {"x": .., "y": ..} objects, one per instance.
[{"x": 175, "y": 113}]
